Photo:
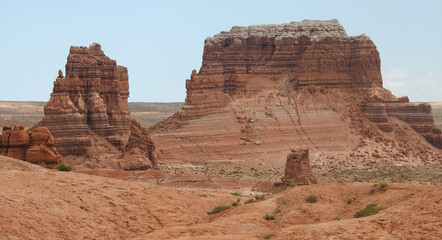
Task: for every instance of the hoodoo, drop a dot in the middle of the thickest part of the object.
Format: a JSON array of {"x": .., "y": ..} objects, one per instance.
[
  {"x": 89, "y": 117},
  {"x": 265, "y": 88},
  {"x": 297, "y": 169}
]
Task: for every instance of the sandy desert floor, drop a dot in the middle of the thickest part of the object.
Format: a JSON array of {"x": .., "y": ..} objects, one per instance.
[{"x": 39, "y": 203}]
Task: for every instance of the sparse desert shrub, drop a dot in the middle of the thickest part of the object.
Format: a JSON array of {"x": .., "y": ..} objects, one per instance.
[
  {"x": 350, "y": 200},
  {"x": 337, "y": 217},
  {"x": 304, "y": 209},
  {"x": 259, "y": 197},
  {"x": 251, "y": 200},
  {"x": 236, "y": 203},
  {"x": 277, "y": 210},
  {"x": 382, "y": 184},
  {"x": 63, "y": 167},
  {"x": 235, "y": 193},
  {"x": 292, "y": 184},
  {"x": 219, "y": 208},
  {"x": 269, "y": 217},
  {"x": 311, "y": 198},
  {"x": 269, "y": 235},
  {"x": 369, "y": 210},
  {"x": 84, "y": 208}
]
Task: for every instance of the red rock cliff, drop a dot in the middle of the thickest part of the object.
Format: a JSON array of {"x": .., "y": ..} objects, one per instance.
[
  {"x": 263, "y": 89},
  {"x": 89, "y": 117},
  {"x": 303, "y": 53}
]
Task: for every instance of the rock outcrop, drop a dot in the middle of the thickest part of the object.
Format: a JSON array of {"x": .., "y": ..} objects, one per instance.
[
  {"x": 418, "y": 116},
  {"x": 35, "y": 146},
  {"x": 264, "y": 88},
  {"x": 89, "y": 117},
  {"x": 297, "y": 169}
]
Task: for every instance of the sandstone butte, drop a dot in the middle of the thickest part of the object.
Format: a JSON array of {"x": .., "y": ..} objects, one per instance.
[
  {"x": 89, "y": 118},
  {"x": 264, "y": 89}
]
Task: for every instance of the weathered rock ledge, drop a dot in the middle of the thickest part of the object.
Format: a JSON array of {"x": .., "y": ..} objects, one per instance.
[{"x": 315, "y": 30}]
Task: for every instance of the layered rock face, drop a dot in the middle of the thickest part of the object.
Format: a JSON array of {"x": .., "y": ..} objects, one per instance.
[
  {"x": 298, "y": 170},
  {"x": 89, "y": 117},
  {"x": 418, "y": 116},
  {"x": 306, "y": 53},
  {"x": 35, "y": 146},
  {"x": 262, "y": 89}
]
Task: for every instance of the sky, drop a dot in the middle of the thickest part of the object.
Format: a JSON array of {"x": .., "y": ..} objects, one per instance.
[{"x": 161, "y": 42}]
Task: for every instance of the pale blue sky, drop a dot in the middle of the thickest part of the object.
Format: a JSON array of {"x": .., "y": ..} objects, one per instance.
[{"x": 160, "y": 42}]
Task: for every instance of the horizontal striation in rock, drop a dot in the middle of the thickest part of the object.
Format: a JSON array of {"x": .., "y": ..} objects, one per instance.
[
  {"x": 318, "y": 54},
  {"x": 418, "y": 116}
]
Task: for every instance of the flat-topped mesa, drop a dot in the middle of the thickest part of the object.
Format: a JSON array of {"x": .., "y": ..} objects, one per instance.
[
  {"x": 88, "y": 109},
  {"x": 265, "y": 87},
  {"x": 300, "y": 53}
]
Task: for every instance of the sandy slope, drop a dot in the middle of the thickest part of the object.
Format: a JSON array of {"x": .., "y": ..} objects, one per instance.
[{"x": 44, "y": 204}]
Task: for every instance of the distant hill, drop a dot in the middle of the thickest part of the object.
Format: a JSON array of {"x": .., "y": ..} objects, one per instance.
[
  {"x": 30, "y": 113},
  {"x": 24, "y": 113},
  {"x": 147, "y": 113},
  {"x": 437, "y": 113}
]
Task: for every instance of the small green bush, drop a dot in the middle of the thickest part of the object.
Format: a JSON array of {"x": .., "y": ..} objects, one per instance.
[
  {"x": 259, "y": 197},
  {"x": 235, "y": 193},
  {"x": 350, "y": 200},
  {"x": 304, "y": 209},
  {"x": 311, "y": 198},
  {"x": 219, "y": 208},
  {"x": 382, "y": 184},
  {"x": 63, "y": 167},
  {"x": 292, "y": 184},
  {"x": 369, "y": 210},
  {"x": 236, "y": 203},
  {"x": 269, "y": 217},
  {"x": 251, "y": 200}
]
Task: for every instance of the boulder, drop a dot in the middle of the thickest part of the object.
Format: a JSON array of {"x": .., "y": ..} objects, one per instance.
[
  {"x": 18, "y": 142},
  {"x": 35, "y": 146}
]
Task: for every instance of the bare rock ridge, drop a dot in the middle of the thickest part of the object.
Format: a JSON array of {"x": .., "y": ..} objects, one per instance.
[
  {"x": 35, "y": 146},
  {"x": 265, "y": 88},
  {"x": 89, "y": 117},
  {"x": 298, "y": 170}
]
